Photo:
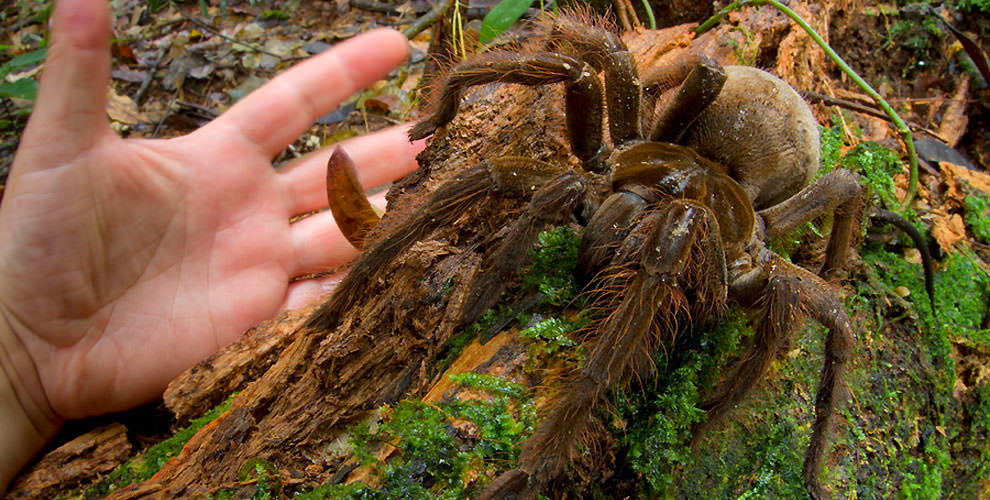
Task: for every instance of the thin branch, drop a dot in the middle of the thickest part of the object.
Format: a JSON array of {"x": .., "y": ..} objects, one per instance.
[
  {"x": 232, "y": 40},
  {"x": 809, "y": 95},
  {"x": 424, "y": 21}
]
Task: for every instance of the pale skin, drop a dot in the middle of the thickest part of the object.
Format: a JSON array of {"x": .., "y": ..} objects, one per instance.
[{"x": 123, "y": 262}]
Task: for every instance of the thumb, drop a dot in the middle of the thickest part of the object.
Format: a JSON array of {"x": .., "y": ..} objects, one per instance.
[{"x": 70, "y": 111}]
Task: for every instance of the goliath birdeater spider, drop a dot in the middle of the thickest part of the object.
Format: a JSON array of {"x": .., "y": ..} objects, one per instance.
[{"x": 724, "y": 166}]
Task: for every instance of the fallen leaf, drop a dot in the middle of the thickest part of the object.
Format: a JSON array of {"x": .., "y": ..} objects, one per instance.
[
  {"x": 954, "y": 119},
  {"x": 246, "y": 87},
  {"x": 947, "y": 229},
  {"x": 123, "y": 109},
  {"x": 975, "y": 179},
  {"x": 383, "y": 103},
  {"x": 126, "y": 74},
  {"x": 251, "y": 32},
  {"x": 411, "y": 82},
  {"x": 123, "y": 50},
  {"x": 203, "y": 71},
  {"x": 876, "y": 130},
  {"x": 316, "y": 47}
]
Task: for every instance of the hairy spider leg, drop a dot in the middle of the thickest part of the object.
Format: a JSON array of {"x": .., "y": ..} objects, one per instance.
[
  {"x": 791, "y": 294},
  {"x": 640, "y": 299},
  {"x": 838, "y": 191},
  {"x": 583, "y": 96},
  {"x": 700, "y": 88},
  {"x": 607, "y": 228},
  {"x": 351, "y": 210},
  {"x": 555, "y": 199},
  {"x": 700, "y": 80},
  {"x": 601, "y": 48}
]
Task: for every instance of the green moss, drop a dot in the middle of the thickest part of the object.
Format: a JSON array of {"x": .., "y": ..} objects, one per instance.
[
  {"x": 962, "y": 296},
  {"x": 901, "y": 434},
  {"x": 978, "y": 216},
  {"x": 142, "y": 467},
  {"x": 970, "y": 450},
  {"x": 877, "y": 166},
  {"x": 552, "y": 337},
  {"x": 945, "y": 442},
  {"x": 434, "y": 453},
  {"x": 831, "y": 146},
  {"x": 974, "y": 5},
  {"x": 553, "y": 262},
  {"x": 659, "y": 417}
]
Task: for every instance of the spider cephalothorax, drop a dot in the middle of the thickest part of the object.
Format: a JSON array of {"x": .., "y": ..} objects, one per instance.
[{"x": 723, "y": 167}]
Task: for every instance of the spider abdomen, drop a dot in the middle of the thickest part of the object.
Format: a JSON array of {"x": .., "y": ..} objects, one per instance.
[{"x": 763, "y": 132}]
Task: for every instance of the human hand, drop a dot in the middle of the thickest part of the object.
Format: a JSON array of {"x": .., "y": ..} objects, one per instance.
[{"x": 123, "y": 262}]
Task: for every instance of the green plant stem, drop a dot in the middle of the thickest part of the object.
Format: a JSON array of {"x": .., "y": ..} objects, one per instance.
[
  {"x": 902, "y": 127},
  {"x": 649, "y": 14}
]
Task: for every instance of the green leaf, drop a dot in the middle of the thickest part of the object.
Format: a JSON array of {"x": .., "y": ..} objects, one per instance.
[
  {"x": 501, "y": 17},
  {"x": 25, "y": 88},
  {"x": 22, "y": 61}
]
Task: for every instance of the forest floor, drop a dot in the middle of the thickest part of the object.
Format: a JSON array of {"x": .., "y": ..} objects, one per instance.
[{"x": 918, "y": 423}]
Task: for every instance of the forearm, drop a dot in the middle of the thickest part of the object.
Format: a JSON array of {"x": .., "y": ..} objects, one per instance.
[{"x": 26, "y": 420}]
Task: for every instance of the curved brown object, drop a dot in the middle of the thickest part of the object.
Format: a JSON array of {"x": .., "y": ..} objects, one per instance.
[{"x": 351, "y": 210}]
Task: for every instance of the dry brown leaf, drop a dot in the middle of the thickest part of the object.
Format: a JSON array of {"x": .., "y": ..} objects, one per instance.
[
  {"x": 975, "y": 179},
  {"x": 653, "y": 44},
  {"x": 947, "y": 229},
  {"x": 954, "y": 119},
  {"x": 799, "y": 59},
  {"x": 876, "y": 130},
  {"x": 123, "y": 109}
]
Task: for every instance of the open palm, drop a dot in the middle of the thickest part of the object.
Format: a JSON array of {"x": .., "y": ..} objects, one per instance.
[{"x": 123, "y": 262}]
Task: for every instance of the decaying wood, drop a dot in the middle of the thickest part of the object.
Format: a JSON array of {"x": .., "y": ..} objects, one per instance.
[{"x": 76, "y": 462}]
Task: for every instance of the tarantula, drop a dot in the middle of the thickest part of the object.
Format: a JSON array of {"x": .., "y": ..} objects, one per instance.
[{"x": 680, "y": 232}]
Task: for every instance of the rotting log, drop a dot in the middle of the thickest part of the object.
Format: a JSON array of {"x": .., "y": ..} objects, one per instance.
[
  {"x": 302, "y": 384},
  {"x": 74, "y": 463}
]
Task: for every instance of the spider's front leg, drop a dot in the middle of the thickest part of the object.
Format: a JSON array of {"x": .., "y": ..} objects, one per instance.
[
  {"x": 639, "y": 296},
  {"x": 583, "y": 96},
  {"x": 556, "y": 198},
  {"x": 791, "y": 294}
]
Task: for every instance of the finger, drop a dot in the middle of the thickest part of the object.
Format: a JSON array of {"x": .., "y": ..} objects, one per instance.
[
  {"x": 319, "y": 245},
  {"x": 70, "y": 111},
  {"x": 305, "y": 292},
  {"x": 380, "y": 157},
  {"x": 277, "y": 113}
]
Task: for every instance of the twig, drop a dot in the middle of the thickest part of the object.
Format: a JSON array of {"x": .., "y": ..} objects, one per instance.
[
  {"x": 232, "y": 40},
  {"x": 375, "y": 6},
  {"x": 424, "y": 21},
  {"x": 809, "y": 95},
  {"x": 206, "y": 112},
  {"x": 139, "y": 95},
  {"x": 19, "y": 24},
  {"x": 902, "y": 128}
]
